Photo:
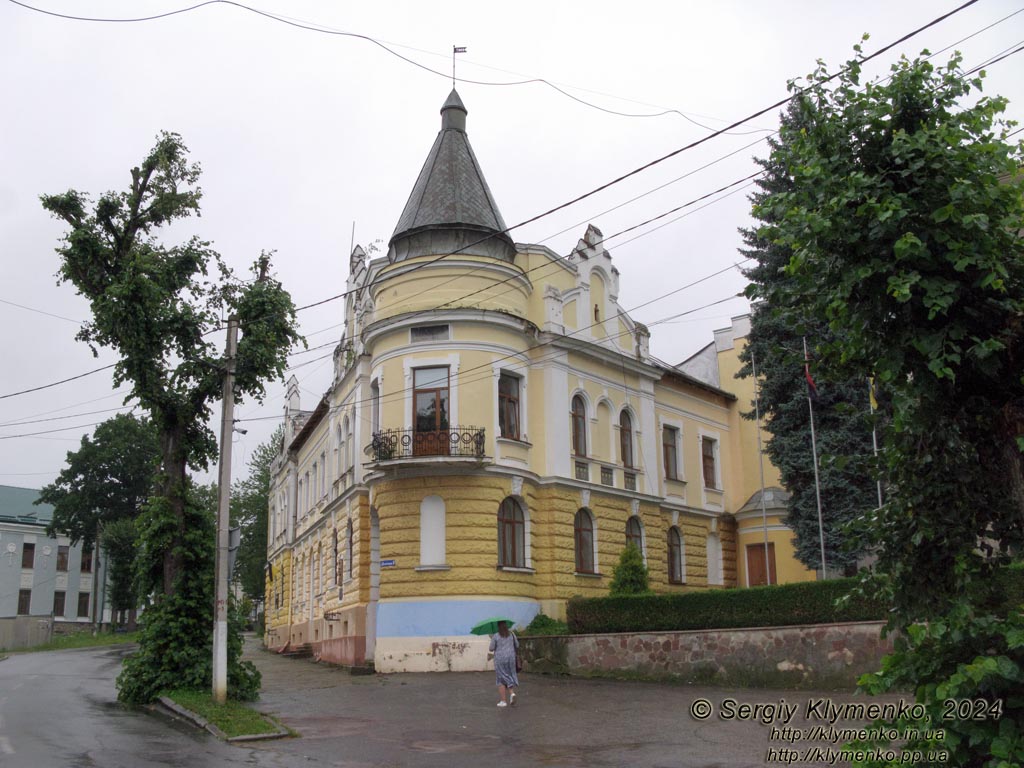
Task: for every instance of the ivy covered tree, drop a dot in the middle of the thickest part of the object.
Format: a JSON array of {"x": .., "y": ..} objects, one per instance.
[
  {"x": 843, "y": 430},
  {"x": 160, "y": 308},
  {"x": 902, "y": 218},
  {"x": 250, "y": 504}
]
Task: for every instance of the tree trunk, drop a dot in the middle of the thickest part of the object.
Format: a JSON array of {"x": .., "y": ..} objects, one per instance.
[{"x": 172, "y": 488}]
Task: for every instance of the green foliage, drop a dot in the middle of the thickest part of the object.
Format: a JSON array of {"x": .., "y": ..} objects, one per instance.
[
  {"x": 175, "y": 637},
  {"x": 774, "y": 606},
  {"x": 902, "y": 217},
  {"x": 250, "y": 502},
  {"x": 120, "y": 540},
  {"x": 108, "y": 478},
  {"x": 544, "y": 625},
  {"x": 967, "y": 658},
  {"x": 630, "y": 575},
  {"x": 157, "y": 306},
  {"x": 775, "y": 348}
]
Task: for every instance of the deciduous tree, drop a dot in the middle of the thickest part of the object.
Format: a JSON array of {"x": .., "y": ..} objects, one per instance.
[
  {"x": 903, "y": 218},
  {"x": 160, "y": 308}
]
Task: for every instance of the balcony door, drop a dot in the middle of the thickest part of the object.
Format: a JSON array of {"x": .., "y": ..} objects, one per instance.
[{"x": 430, "y": 399}]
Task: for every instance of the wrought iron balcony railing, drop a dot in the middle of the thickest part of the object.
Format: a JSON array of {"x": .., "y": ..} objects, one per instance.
[{"x": 409, "y": 443}]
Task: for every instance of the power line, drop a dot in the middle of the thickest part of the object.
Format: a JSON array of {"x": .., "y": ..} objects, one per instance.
[
  {"x": 56, "y": 383},
  {"x": 41, "y": 312},
  {"x": 530, "y": 220},
  {"x": 50, "y": 431},
  {"x": 60, "y": 418}
]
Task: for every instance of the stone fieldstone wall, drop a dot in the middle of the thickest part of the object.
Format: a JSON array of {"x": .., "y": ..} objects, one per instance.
[{"x": 829, "y": 656}]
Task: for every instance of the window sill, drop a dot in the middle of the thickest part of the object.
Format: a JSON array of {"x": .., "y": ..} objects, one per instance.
[
  {"x": 514, "y": 441},
  {"x": 589, "y": 575},
  {"x": 514, "y": 569},
  {"x": 432, "y": 568},
  {"x": 679, "y": 480},
  {"x": 713, "y": 490}
]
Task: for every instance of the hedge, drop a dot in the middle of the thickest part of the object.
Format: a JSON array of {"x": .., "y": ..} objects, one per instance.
[
  {"x": 775, "y": 606},
  {"x": 812, "y": 602}
]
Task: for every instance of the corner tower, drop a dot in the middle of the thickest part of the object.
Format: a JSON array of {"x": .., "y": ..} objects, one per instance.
[{"x": 451, "y": 208}]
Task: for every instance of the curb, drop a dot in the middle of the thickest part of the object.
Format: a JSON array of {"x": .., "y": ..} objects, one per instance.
[{"x": 175, "y": 709}]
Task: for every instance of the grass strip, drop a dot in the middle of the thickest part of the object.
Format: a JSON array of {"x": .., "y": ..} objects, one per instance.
[
  {"x": 79, "y": 640},
  {"x": 232, "y": 717}
]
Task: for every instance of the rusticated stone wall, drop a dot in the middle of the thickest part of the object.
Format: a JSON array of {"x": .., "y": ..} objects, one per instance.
[{"x": 808, "y": 656}]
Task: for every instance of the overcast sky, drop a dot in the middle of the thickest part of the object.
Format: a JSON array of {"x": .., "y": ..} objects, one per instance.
[{"x": 302, "y": 134}]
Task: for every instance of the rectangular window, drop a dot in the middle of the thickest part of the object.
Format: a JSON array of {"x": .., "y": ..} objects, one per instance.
[
  {"x": 28, "y": 555},
  {"x": 607, "y": 478},
  {"x": 58, "y": 603},
  {"x": 86, "y": 561},
  {"x": 630, "y": 480},
  {"x": 24, "y": 601},
  {"x": 83, "y": 605},
  {"x": 429, "y": 333},
  {"x": 669, "y": 452},
  {"x": 582, "y": 471},
  {"x": 430, "y": 399},
  {"x": 707, "y": 452},
  {"x": 508, "y": 406},
  {"x": 62, "y": 558}
]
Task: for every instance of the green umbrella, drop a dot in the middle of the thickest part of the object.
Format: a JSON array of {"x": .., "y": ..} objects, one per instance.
[{"x": 489, "y": 626}]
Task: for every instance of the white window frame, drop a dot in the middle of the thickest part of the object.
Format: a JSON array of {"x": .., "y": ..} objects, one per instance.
[{"x": 433, "y": 531}]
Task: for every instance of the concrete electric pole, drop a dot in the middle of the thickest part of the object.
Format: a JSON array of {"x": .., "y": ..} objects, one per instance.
[{"x": 220, "y": 620}]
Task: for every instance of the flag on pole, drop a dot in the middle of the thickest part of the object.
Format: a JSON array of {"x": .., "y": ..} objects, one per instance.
[
  {"x": 812, "y": 389},
  {"x": 458, "y": 49}
]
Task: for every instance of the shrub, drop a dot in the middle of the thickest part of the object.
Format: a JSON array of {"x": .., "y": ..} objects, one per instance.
[
  {"x": 630, "y": 575},
  {"x": 544, "y": 625},
  {"x": 805, "y": 603}
]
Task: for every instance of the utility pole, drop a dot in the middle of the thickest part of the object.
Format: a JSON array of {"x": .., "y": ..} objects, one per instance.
[{"x": 220, "y": 621}]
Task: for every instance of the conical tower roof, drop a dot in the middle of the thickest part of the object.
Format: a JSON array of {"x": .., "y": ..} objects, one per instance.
[{"x": 451, "y": 208}]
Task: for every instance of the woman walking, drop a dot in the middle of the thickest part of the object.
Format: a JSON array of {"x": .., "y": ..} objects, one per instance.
[{"x": 505, "y": 647}]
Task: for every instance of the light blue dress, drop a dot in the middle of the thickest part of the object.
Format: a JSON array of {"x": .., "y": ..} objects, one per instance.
[{"x": 504, "y": 650}]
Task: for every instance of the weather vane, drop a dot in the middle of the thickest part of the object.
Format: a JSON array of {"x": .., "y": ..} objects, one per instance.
[{"x": 456, "y": 49}]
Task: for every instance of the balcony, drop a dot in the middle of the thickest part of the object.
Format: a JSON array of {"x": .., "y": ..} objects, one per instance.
[{"x": 456, "y": 442}]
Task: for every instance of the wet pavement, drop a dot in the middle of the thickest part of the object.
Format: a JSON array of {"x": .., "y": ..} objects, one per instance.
[
  {"x": 451, "y": 719},
  {"x": 59, "y": 709}
]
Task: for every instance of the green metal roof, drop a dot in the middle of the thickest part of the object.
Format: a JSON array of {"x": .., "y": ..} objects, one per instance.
[{"x": 16, "y": 506}]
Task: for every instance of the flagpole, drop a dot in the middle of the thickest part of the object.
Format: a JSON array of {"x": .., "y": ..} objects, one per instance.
[
  {"x": 760, "y": 458},
  {"x": 814, "y": 453},
  {"x": 874, "y": 432}
]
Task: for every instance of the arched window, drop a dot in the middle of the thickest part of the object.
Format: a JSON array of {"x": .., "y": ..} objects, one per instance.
[
  {"x": 635, "y": 533},
  {"x": 348, "y": 547},
  {"x": 349, "y": 448},
  {"x": 341, "y": 451},
  {"x": 676, "y": 573},
  {"x": 626, "y": 439},
  {"x": 336, "y": 569},
  {"x": 511, "y": 534},
  {"x": 584, "y": 536},
  {"x": 579, "y": 426},
  {"x": 432, "y": 531}
]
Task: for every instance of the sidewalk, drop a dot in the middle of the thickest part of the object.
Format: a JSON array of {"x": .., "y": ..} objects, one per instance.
[{"x": 450, "y": 719}]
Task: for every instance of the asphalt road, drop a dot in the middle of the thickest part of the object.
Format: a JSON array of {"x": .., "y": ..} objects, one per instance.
[{"x": 59, "y": 709}]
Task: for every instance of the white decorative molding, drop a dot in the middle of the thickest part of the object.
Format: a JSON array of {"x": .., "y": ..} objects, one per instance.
[
  {"x": 585, "y": 499},
  {"x": 517, "y": 486},
  {"x": 634, "y": 505},
  {"x": 675, "y": 517}
]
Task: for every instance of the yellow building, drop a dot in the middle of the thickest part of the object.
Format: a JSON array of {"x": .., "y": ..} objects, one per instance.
[{"x": 495, "y": 433}]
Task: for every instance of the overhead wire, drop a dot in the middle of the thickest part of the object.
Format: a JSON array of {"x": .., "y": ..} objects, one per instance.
[{"x": 549, "y": 212}]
